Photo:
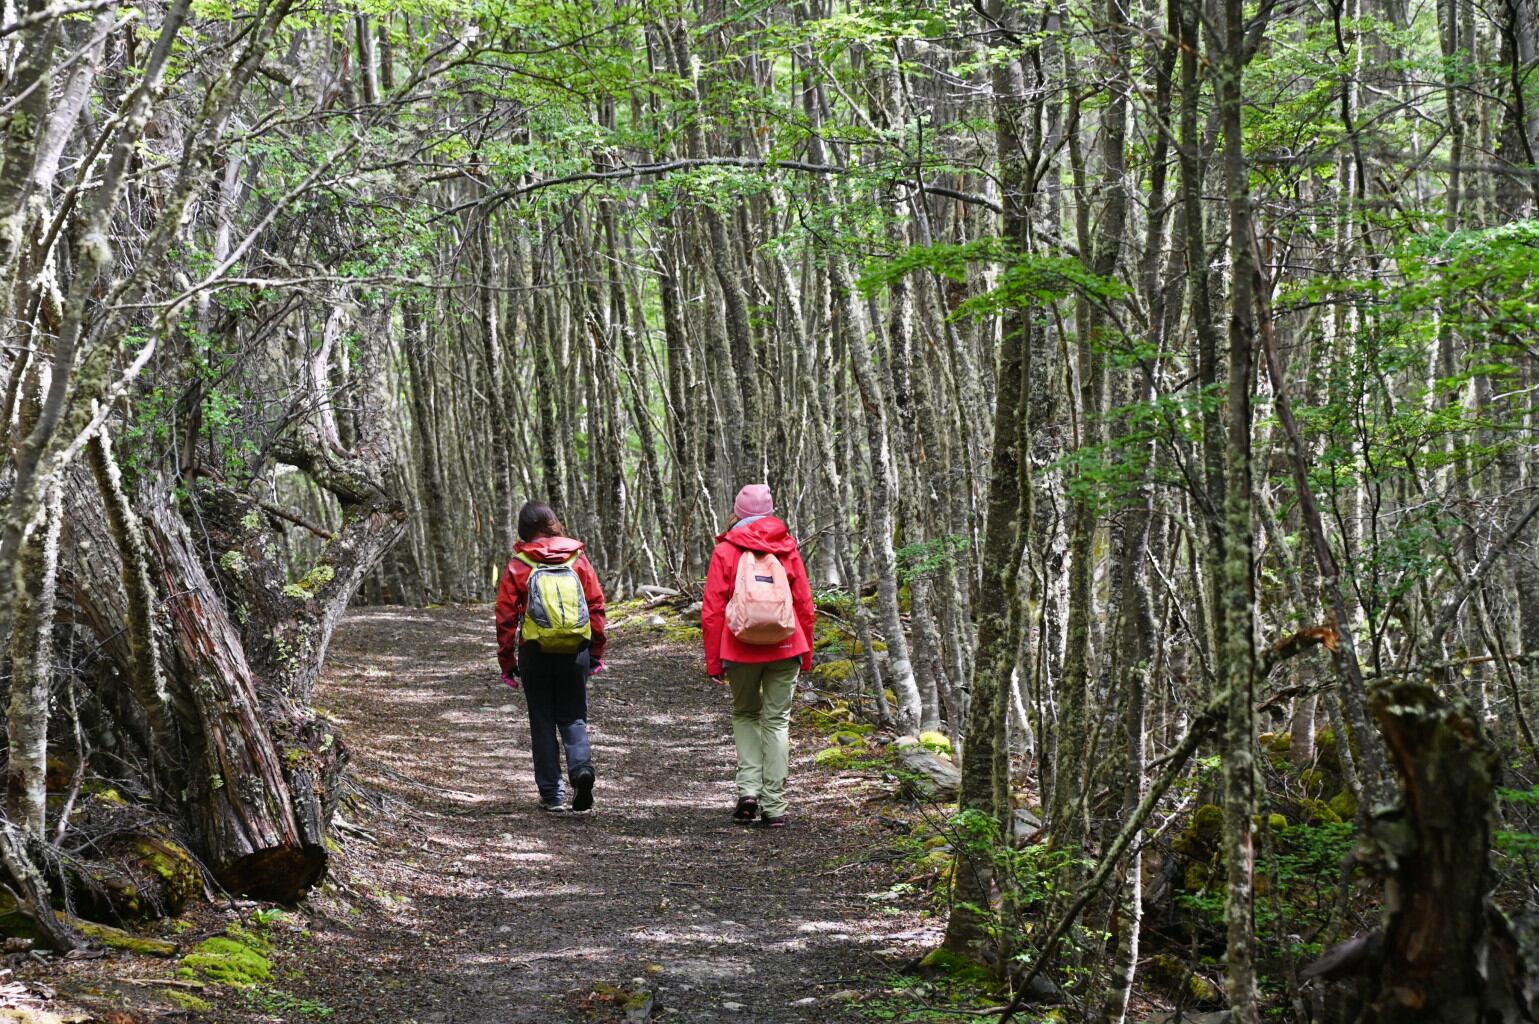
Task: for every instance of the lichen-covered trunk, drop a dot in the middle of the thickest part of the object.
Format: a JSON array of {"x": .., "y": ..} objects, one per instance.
[
  {"x": 1236, "y": 655},
  {"x": 984, "y": 764},
  {"x": 881, "y": 496},
  {"x": 32, "y": 672}
]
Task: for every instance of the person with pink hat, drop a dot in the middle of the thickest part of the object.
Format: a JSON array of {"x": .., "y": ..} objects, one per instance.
[{"x": 756, "y": 620}]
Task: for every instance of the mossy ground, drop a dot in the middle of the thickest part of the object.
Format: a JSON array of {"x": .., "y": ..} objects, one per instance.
[
  {"x": 188, "y": 1001},
  {"x": 955, "y": 967},
  {"x": 240, "y": 959},
  {"x": 834, "y": 672}
]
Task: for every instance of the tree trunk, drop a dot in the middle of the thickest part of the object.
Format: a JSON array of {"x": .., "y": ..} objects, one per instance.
[
  {"x": 32, "y": 671},
  {"x": 1441, "y": 959},
  {"x": 983, "y": 788},
  {"x": 240, "y": 805}
]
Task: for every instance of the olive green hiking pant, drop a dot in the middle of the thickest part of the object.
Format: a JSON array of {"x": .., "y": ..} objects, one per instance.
[{"x": 761, "y": 727}]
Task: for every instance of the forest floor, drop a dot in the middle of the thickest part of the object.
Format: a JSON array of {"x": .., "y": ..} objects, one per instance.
[{"x": 455, "y": 900}]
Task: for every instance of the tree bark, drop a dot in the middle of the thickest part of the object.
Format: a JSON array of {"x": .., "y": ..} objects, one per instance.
[{"x": 985, "y": 764}]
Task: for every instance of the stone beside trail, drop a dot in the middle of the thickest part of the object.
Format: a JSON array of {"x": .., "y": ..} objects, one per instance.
[{"x": 456, "y": 901}]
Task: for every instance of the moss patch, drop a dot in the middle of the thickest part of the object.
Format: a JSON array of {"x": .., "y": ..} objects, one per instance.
[
  {"x": 935, "y": 867},
  {"x": 680, "y": 633},
  {"x": 834, "y": 671},
  {"x": 1200, "y": 840},
  {"x": 188, "y": 1001},
  {"x": 1344, "y": 804},
  {"x": 239, "y": 959},
  {"x": 834, "y": 719},
  {"x": 1171, "y": 976},
  {"x": 1318, "y": 812},
  {"x": 622, "y": 999},
  {"x": 955, "y": 967},
  {"x": 835, "y": 757},
  {"x": 1197, "y": 875},
  {"x": 181, "y": 882},
  {"x": 832, "y": 639},
  {"x": 935, "y": 742},
  {"x": 116, "y": 938}
]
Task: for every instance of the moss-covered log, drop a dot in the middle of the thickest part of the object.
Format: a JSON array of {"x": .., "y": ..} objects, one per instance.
[{"x": 137, "y": 877}]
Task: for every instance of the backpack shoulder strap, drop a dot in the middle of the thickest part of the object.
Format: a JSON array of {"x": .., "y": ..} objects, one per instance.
[{"x": 524, "y": 557}]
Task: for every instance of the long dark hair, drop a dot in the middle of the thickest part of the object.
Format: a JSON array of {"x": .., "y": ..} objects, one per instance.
[{"x": 538, "y": 519}]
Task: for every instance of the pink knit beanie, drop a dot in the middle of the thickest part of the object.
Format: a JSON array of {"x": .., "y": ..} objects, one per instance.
[{"x": 753, "y": 500}]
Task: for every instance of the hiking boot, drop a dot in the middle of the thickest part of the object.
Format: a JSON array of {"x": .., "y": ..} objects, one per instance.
[
  {"x": 776, "y": 821},
  {"x": 582, "y": 799},
  {"x": 556, "y": 806},
  {"x": 746, "y": 811}
]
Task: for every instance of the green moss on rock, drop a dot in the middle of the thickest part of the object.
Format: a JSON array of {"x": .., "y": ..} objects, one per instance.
[
  {"x": 1344, "y": 804},
  {"x": 935, "y": 742},
  {"x": 1318, "y": 812},
  {"x": 1171, "y": 976}
]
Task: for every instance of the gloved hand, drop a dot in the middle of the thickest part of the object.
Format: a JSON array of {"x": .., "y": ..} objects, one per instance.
[
  {"x": 598, "y": 666},
  {"x": 510, "y": 679}
]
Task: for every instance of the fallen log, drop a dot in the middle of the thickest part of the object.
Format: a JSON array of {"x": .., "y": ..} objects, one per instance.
[
  {"x": 19, "y": 925},
  {"x": 650, "y": 590}
]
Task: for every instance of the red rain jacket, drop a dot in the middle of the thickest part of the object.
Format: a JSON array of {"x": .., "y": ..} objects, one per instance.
[
  {"x": 513, "y": 595},
  {"x": 764, "y": 534}
]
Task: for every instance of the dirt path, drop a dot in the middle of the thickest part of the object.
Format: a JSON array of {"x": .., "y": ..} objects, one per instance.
[{"x": 457, "y": 900}]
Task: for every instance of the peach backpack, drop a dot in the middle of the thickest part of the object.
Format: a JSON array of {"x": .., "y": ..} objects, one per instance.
[{"x": 760, "y": 610}]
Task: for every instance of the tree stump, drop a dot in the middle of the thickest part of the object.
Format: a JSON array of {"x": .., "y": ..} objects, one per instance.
[{"x": 1446, "y": 956}]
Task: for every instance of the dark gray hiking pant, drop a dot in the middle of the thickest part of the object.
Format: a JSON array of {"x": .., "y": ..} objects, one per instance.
[{"x": 556, "y": 692}]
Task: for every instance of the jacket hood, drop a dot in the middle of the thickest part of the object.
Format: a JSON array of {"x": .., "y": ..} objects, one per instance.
[
  {"x": 549, "y": 549},
  {"x": 767, "y": 533}
]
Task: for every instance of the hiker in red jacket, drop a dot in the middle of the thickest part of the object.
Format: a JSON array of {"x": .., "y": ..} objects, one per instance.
[
  {"x": 757, "y": 623},
  {"x": 550, "y": 637}
]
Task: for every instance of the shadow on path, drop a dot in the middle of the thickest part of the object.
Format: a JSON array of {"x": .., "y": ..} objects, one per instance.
[{"x": 457, "y": 901}]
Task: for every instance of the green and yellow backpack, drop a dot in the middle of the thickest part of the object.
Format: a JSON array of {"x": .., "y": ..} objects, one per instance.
[{"x": 556, "y": 618}]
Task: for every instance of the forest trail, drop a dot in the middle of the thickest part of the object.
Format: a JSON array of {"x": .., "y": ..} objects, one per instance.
[{"x": 466, "y": 904}]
